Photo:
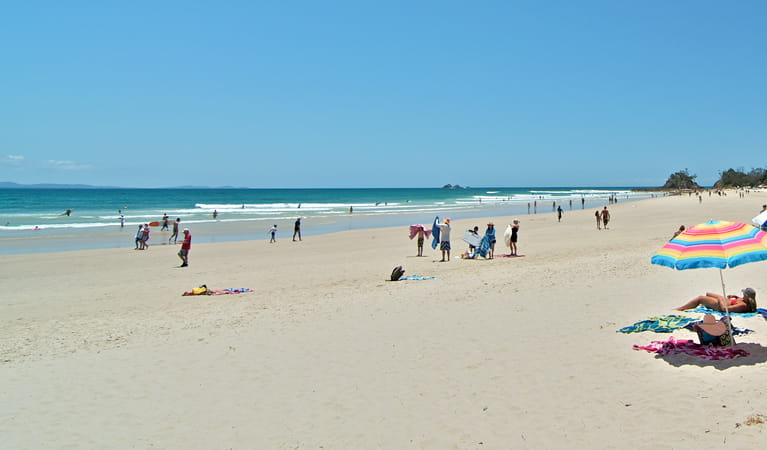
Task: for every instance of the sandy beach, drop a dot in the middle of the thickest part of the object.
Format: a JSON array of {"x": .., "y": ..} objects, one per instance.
[{"x": 99, "y": 349}]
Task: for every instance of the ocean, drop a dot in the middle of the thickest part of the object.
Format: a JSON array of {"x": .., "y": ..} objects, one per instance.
[{"x": 34, "y": 220}]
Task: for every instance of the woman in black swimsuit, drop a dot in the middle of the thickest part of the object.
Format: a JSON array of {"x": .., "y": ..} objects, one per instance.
[{"x": 514, "y": 231}]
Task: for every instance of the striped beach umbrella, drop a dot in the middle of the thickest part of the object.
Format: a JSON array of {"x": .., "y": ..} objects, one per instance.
[{"x": 717, "y": 244}]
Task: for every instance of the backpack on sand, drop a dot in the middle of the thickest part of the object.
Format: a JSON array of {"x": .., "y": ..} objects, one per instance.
[{"x": 397, "y": 273}]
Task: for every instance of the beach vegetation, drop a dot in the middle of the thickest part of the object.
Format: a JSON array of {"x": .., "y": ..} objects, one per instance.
[
  {"x": 681, "y": 180},
  {"x": 732, "y": 178}
]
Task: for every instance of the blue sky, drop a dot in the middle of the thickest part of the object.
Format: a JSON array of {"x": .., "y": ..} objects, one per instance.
[{"x": 380, "y": 94}]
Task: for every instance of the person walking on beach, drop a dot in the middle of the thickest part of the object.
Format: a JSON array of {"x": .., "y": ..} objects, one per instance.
[
  {"x": 514, "y": 237},
  {"x": 559, "y": 213},
  {"x": 139, "y": 235},
  {"x": 164, "y": 222},
  {"x": 599, "y": 220},
  {"x": 215, "y": 214},
  {"x": 605, "y": 217},
  {"x": 122, "y": 221},
  {"x": 273, "y": 231},
  {"x": 145, "y": 237},
  {"x": 444, "y": 238},
  {"x": 174, "y": 235},
  {"x": 185, "y": 247},
  {"x": 297, "y": 229}
]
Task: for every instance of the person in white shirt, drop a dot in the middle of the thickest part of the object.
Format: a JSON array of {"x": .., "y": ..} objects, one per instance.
[{"x": 444, "y": 238}]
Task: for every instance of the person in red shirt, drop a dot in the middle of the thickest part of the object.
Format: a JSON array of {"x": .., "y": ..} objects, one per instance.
[{"x": 185, "y": 247}]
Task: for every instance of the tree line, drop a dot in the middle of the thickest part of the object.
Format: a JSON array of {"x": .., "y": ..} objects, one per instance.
[{"x": 728, "y": 179}]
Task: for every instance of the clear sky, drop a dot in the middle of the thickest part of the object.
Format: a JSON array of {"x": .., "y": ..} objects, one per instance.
[{"x": 381, "y": 94}]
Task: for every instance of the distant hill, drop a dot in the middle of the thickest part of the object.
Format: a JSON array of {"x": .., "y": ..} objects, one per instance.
[{"x": 10, "y": 185}]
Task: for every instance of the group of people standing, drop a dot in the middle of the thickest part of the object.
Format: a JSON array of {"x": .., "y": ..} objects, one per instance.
[
  {"x": 445, "y": 246},
  {"x": 144, "y": 230}
]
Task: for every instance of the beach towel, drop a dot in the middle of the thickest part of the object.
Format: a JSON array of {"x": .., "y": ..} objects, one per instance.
[
  {"x": 206, "y": 291},
  {"x": 484, "y": 247},
  {"x": 676, "y": 346},
  {"x": 435, "y": 233},
  {"x": 414, "y": 230},
  {"x": 417, "y": 278},
  {"x": 706, "y": 310},
  {"x": 660, "y": 324},
  {"x": 762, "y": 312}
]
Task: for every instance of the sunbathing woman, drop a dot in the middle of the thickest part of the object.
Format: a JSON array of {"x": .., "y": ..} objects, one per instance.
[{"x": 736, "y": 304}]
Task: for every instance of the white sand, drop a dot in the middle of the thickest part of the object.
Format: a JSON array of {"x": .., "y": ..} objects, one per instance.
[{"x": 98, "y": 349}]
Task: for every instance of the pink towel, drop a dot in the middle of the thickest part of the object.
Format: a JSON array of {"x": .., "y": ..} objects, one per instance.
[
  {"x": 414, "y": 230},
  {"x": 675, "y": 346}
]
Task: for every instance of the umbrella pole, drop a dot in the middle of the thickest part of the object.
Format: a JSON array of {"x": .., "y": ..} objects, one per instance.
[{"x": 727, "y": 310}]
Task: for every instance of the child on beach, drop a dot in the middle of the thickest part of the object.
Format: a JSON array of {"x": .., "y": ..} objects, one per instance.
[
  {"x": 475, "y": 232},
  {"x": 273, "y": 231},
  {"x": 145, "y": 237},
  {"x": 421, "y": 236},
  {"x": 139, "y": 235}
]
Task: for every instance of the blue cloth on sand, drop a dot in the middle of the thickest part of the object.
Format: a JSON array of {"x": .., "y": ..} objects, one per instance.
[
  {"x": 484, "y": 247},
  {"x": 417, "y": 277},
  {"x": 671, "y": 323},
  {"x": 659, "y": 324},
  {"x": 706, "y": 310}
]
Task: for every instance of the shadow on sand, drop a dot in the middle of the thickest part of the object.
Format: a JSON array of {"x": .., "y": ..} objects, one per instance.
[{"x": 757, "y": 354}]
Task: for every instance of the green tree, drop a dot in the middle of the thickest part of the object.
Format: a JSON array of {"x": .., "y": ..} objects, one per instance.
[
  {"x": 732, "y": 178},
  {"x": 681, "y": 180}
]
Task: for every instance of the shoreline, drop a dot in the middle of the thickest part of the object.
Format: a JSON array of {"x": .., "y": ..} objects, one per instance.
[
  {"x": 58, "y": 240},
  {"x": 99, "y": 346}
]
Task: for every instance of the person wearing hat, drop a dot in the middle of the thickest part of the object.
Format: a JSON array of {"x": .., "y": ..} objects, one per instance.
[
  {"x": 444, "y": 238},
  {"x": 733, "y": 303},
  {"x": 185, "y": 247},
  {"x": 711, "y": 331},
  {"x": 490, "y": 233}
]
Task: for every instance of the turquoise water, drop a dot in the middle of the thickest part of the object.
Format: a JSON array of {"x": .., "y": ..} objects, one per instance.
[{"x": 33, "y": 219}]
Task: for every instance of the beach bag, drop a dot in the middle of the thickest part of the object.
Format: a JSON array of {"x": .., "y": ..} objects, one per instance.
[{"x": 397, "y": 273}]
